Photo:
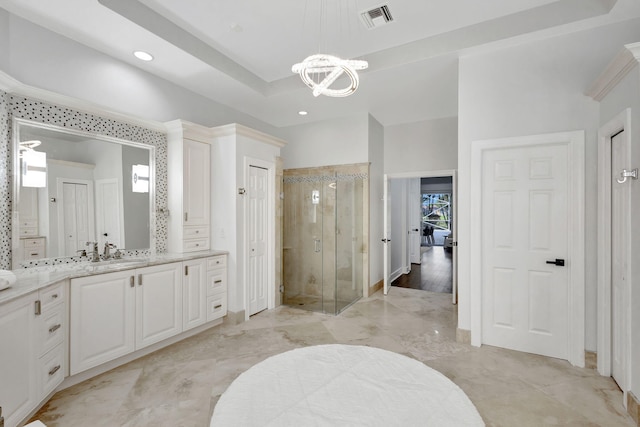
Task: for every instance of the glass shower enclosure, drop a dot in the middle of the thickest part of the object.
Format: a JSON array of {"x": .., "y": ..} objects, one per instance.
[{"x": 325, "y": 258}]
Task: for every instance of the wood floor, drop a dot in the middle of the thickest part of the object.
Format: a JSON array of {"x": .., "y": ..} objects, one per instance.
[{"x": 435, "y": 273}]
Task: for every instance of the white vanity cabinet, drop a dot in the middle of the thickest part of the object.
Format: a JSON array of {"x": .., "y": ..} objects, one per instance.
[
  {"x": 117, "y": 313},
  {"x": 216, "y": 284},
  {"x": 52, "y": 329},
  {"x": 32, "y": 358},
  {"x": 194, "y": 293},
  {"x": 18, "y": 376},
  {"x": 188, "y": 173},
  {"x": 102, "y": 319},
  {"x": 158, "y": 304}
]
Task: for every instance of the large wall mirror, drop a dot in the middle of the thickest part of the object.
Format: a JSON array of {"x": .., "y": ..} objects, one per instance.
[{"x": 72, "y": 187}]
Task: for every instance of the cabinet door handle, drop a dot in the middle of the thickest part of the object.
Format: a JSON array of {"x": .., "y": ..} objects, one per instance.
[
  {"x": 186, "y": 216},
  {"x": 54, "y": 328},
  {"x": 132, "y": 281},
  {"x": 54, "y": 296},
  {"x": 186, "y": 270},
  {"x": 218, "y": 281},
  {"x": 139, "y": 279},
  {"x": 217, "y": 306},
  {"x": 38, "y": 308},
  {"x": 54, "y": 370}
]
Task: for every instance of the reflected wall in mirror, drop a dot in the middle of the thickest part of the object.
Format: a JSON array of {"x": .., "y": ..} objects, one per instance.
[{"x": 95, "y": 190}]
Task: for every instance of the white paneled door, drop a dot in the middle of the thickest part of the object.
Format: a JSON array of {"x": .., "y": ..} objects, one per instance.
[
  {"x": 620, "y": 231},
  {"x": 75, "y": 216},
  {"x": 524, "y": 233},
  {"x": 258, "y": 236}
]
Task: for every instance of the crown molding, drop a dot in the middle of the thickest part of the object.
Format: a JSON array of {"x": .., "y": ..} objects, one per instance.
[
  {"x": 617, "y": 70},
  {"x": 184, "y": 129},
  {"x": 235, "y": 129},
  {"x": 12, "y": 86}
]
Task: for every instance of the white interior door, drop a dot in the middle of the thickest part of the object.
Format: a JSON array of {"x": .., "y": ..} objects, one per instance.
[
  {"x": 524, "y": 227},
  {"x": 258, "y": 239},
  {"x": 386, "y": 252},
  {"x": 109, "y": 213},
  {"x": 76, "y": 212},
  {"x": 620, "y": 230},
  {"x": 414, "y": 220}
]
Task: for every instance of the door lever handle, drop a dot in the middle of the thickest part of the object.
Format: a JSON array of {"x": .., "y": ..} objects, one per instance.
[{"x": 559, "y": 262}]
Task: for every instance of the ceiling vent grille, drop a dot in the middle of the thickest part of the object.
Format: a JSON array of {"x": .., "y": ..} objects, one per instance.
[{"x": 377, "y": 17}]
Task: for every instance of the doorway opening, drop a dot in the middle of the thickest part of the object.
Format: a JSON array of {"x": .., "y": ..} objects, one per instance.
[
  {"x": 421, "y": 205},
  {"x": 434, "y": 269}
]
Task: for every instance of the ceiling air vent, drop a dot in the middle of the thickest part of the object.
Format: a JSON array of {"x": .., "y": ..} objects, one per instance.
[{"x": 377, "y": 17}]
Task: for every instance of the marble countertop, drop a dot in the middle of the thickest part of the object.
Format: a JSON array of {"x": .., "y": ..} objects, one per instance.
[{"x": 33, "y": 279}]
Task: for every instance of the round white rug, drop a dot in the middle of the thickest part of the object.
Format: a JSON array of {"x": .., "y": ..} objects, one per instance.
[{"x": 343, "y": 385}]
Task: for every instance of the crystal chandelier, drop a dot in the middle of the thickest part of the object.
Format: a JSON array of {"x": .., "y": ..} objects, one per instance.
[
  {"x": 331, "y": 67},
  {"x": 320, "y": 72}
]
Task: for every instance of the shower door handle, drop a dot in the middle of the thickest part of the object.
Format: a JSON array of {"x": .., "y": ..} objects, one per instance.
[{"x": 317, "y": 246}]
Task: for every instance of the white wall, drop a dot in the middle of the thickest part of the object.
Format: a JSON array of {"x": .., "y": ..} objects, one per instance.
[
  {"x": 223, "y": 221},
  {"x": 376, "y": 203},
  {"x": 530, "y": 89},
  {"x": 627, "y": 95},
  {"x": 330, "y": 142},
  {"x": 421, "y": 146},
  {"x": 43, "y": 59},
  {"x": 4, "y": 39}
]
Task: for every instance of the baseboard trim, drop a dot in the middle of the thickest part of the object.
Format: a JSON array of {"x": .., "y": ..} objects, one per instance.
[
  {"x": 590, "y": 359},
  {"x": 375, "y": 288},
  {"x": 633, "y": 407},
  {"x": 463, "y": 336}
]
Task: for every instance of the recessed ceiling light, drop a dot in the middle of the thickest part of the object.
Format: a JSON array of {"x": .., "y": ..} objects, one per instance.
[
  {"x": 302, "y": 113},
  {"x": 143, "y": 56}
]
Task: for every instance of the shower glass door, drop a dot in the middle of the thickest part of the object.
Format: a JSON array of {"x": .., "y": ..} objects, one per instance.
[
  {"x": 302, "y": 244},
  {"x": 323, "y": 238}
]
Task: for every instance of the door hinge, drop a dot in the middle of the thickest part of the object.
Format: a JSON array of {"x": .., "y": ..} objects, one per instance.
[
  {"x": 281, "y": 289},
  {"x": 454, "y": 243}
]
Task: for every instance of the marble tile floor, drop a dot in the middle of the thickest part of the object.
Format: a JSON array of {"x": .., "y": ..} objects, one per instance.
[{"x": 179, "y": 385}]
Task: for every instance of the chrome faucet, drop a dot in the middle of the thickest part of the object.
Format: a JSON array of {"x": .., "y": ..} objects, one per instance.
[
  {"x": 107, "y": 247},
  {"x": 95, "y": 256}
]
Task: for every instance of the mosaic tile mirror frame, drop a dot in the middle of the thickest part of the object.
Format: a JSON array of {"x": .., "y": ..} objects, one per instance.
[{"x": 17, "y": 106}]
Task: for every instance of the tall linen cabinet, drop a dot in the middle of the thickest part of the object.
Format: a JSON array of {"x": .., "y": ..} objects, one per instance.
[{"x": 189, "y": 187}]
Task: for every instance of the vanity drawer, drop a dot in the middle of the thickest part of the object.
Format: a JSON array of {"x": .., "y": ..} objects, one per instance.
[
  {"x": 28, "y": 231},
  {"x": 33, "y": 243},
  {"x": 216, "y": 282},
  {"x": 51, "y": 296},
  {"x": 51, "y": 329},
  {"x": 196, "y": 232},
  {"x": 34, "y": 253},
  {"x": 216, "y": 262},
  {"x": 192, "y": 245},
  {"x": 51, "y": 370},
  {"x": 216, "y": 306}
]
